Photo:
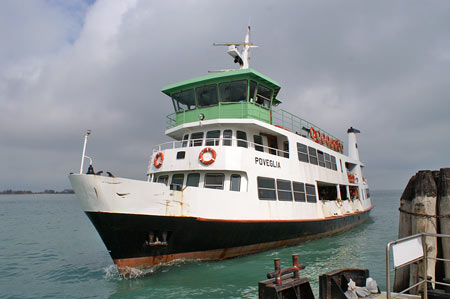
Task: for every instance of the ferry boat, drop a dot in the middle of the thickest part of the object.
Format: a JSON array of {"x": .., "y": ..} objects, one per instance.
[{"x": 239, "y": 177}]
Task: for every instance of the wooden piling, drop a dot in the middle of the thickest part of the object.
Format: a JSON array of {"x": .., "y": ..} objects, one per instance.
[
  {"x": 444, "y": 213},
  {"x": 425, "y": 207}
]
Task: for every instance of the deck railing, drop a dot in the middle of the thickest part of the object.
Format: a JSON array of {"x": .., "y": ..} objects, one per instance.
[
  {"x": 247, "y": 110},
  {"x": 409, "y": 250},
  {"x": 219, "y": 142}
]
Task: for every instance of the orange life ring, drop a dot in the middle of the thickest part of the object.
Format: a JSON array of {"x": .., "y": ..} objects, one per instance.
[
  {"x": 159, "y": 159},
  {"x": 207, "y": 150},
  {"x": 312, "y": 133}
]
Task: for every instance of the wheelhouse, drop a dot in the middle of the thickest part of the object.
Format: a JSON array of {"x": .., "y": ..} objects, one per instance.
[{"x": 242, "y": 93}]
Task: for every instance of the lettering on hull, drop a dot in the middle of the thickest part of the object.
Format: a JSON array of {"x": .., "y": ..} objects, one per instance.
[{"x": 267, "y": 162}]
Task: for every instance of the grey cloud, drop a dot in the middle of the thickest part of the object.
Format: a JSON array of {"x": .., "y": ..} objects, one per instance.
[{"x": 379, "y": 66}]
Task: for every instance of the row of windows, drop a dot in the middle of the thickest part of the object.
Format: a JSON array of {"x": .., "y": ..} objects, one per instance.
[
  {"x": 211, "y": 181},
  {"x": 234, "y": 91},
  {"x": 311, "y": 155},
  {"x": 284, "y": 190},
  {"x": 213, "y": 138}
]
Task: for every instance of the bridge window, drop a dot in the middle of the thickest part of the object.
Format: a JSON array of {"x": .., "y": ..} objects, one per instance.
[
  {"x": 193, "y": 179},
  {"x": 184, "y": 100},
  {"x": 207, "y": 95},
  {"x": 235, "y": 91},
  {"x": 227, "y": 135},
  {"x": 196, "y": 139},
  {"x": 242, "y": 139},
  {"x": 252, "y": 90},
  {"x": 302, "y": 152},
  {"x": 299, "y": 191},
  {"x": 266, "y": 188},
  {"x": 284, "y": 190},
  {"x": 212, "y": 137},
  {"x": 235, "y": 182},
  {"x": 264, "y": 96},
  {"x": 214, "y": 180},
  {"x": 310, "y": 193}
]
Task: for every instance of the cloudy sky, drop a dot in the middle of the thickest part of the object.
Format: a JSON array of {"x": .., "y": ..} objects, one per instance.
[{"x": 67, "y": 66}]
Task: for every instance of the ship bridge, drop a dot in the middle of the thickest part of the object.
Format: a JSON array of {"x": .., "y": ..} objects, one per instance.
[{"x": 237, "y": 94}]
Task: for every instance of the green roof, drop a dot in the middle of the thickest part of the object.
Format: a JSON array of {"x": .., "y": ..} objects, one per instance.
[{"x": 211, "y": 78}]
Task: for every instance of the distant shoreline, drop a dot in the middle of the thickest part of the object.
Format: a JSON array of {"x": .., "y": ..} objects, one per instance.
[{"x": 22, "y": 192}]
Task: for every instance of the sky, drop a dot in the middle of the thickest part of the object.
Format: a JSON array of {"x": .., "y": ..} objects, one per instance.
[{"x": 67, "y": 66}]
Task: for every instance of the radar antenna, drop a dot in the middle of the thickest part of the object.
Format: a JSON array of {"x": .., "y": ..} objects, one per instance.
[{"x": 242, "y": 58}]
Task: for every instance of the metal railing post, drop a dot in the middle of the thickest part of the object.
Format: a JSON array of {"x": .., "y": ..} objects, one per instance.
[
  {"x": 425, "y": 267},
  {"x": 388, "y": 271}
]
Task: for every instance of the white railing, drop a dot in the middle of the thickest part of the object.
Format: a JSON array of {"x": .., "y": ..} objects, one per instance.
[
  {"x": 218, "y": 142},
  {"x": 409, "y": 250}
]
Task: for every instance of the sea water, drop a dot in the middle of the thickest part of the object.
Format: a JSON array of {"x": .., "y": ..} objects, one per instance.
[{"x": 49, "y": 249}]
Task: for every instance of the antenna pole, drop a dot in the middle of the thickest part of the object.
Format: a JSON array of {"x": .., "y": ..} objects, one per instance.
[{"x": 88, "y": 132}]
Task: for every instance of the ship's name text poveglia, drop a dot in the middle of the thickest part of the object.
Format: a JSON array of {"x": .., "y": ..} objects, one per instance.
[{"x": 267, "y": 162}]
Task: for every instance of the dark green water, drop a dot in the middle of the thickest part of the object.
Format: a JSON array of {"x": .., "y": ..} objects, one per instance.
[{"x": 48, "y": 248}]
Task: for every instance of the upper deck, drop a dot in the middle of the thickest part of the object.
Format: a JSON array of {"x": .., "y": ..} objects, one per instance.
[{"x": 235, "y": 94}]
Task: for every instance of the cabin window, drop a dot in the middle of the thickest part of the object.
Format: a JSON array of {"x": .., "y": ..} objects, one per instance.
[
  {"x": 163, "y": 179},
  {"x": 327, "y": 161},
  {"x": 214, "y": 180},
  {"x": 321, "y": 158},
  {"x": 266, "y": 188},
  {"x": 333, "y": 163},
  {"x": 181, "y": 155},
  {"x": 185, "y": 139},
  {"x": 235, "y": 91},
  {"x": 177, "y": 182},
  {"x": 284, "y": 190},
  {"x": 252, "y": 90},
  {"x": 302, "y": 152},
  {"x": 235, "y": 182},
  {"x": 242, "y": 139},
  {"x": 227, "y": 135},
  {"x": 299, "y": 191},
  {"x": 196, "y": 139},
  {"x": 257, "y": 139},
  {"x": 184, "y": 100},
  {"x": 212, "y": 137},
  {"x": 192, "y": 180},
  {"x": 310, "y": 193},
  {"x": 286, "y": 149},
  {"x": 264, "y": 96},
  {"x": 312, "y": 155},
  {"x": 207, "y": 95},
  {"x": 367, "y": 193}
]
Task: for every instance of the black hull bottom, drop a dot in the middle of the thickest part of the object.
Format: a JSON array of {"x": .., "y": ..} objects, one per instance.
[{"x": 142, "y": 241}]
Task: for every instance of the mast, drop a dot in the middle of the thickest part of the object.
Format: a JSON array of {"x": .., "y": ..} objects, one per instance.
[{"x": 242, "y": 58}]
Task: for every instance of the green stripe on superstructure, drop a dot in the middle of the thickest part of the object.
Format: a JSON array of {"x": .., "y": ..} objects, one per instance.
[{"x": 220, "y": 77}]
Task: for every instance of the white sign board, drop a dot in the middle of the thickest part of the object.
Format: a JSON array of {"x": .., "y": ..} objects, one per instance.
[{"x": 407, "y": 251}]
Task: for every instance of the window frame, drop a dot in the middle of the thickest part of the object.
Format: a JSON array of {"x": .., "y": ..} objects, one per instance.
[
  {"x": 282, "y": 193},
  {"x": 214, "y": 186},
  {"x": 266, "y": 189}
]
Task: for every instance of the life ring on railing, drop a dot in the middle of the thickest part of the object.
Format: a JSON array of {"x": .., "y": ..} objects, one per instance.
[
  {"x": 312, "y": 133},
  {"x": 159, "y": 159},
  {"x": 207, "y": 150}
]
